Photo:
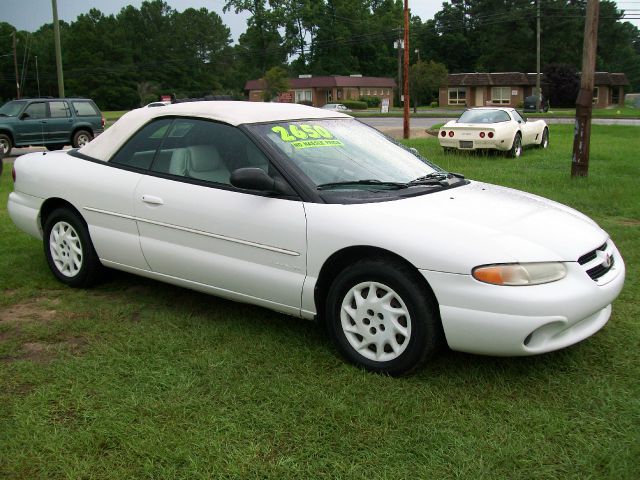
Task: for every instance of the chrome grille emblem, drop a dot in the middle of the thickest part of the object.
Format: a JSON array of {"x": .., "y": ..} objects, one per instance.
[{"x": 605, "y": 258}]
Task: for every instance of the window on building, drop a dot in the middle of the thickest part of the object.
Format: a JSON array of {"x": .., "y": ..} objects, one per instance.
[
  {"x": 501, "y": 95},
  {"x": 615, "y": 95},
  {"x": 303, "y": 95},
  {"x": 596, "y": 94},
  {"x": 457, "y": 96}
]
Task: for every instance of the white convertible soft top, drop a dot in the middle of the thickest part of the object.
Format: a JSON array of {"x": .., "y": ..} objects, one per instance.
[{"x": 234, "y": 113}]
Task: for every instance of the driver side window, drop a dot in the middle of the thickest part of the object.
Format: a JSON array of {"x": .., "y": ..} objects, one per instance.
[{"x": 36, "y": 110}]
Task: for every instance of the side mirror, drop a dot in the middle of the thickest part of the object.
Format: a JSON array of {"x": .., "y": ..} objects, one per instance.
[
  {"x": 24, "y": 115},
  {"x": 251, "y": 178}
]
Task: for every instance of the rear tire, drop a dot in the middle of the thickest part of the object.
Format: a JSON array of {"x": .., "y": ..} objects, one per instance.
[
  {"x": 544, "y": 142},
  {"x": 516, "y": 147},
  {"x": 81, "y": 138},
  {"x": 69, "y": 251},
  {"x": 5, "y": 142},
  {"x": 380, "y": 317}
]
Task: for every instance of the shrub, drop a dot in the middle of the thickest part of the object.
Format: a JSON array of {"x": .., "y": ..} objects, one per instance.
[
  {"x": 372, "y": 102},
  {"x": 434, "y": 105},
  {"x": 563, "y": 84},
  {"x": 355, "y": 104}
]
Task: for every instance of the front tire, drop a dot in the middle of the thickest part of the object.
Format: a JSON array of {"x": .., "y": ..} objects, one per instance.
[
  {"x": 516, "y": 147},
  {"x": 81, "y": 138},
  {"x": 381, "y": 318},
  {"x": 68, "y": 249}
]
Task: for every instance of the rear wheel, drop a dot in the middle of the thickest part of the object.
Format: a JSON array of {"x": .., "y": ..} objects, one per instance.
[
  {"x": 69, "y": 251},
  {"x": 544, "y": 143},
  {"x": 516, "y": 147},
  {"x": 5, "y": 144},
  {"x": 81, "y": 138},
  {"x": 381, "y": 319}
]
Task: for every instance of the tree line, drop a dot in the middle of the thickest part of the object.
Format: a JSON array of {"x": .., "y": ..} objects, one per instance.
[{"x": 127, "y": 59}]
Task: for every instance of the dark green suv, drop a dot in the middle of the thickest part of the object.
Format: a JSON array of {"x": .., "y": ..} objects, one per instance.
[{"x": 52, "y": 122}]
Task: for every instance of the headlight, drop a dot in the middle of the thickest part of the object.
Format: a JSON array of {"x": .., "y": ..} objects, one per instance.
[{"x": 520, "y": 273}]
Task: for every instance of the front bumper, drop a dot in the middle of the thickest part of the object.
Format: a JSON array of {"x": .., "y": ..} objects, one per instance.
[{"x": 525, "y": 320}]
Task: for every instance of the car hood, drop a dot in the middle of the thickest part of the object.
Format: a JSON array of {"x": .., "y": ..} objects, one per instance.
[{"x": 454, "y": 230}]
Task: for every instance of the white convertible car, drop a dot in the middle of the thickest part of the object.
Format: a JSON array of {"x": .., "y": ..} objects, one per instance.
[
  {"x": 493, "y": 128},
  {"x": 314, "y": 214}
]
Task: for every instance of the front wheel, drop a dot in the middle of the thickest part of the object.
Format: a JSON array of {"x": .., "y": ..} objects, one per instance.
[
  {"x": 81, "y": 138},
  {"x": 68, "y": 249},
  {"x": 516, "y": 147},
  {"x": 381, "y": 318}
]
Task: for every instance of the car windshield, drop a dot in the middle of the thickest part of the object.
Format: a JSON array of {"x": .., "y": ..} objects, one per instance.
[
  {"x": 484, "y": 116},
  {"x": 345, "y": 152},
  {"x": 11, "y": 109}
]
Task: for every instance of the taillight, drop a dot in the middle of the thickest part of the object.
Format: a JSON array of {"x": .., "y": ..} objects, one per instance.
[
  {"x": 443, "y": 133},
  {"x": 13, "y": 173},
  {"x": 451, "y": 133},
  {"x": 490, "y": 134},
  {"x": 103, "y": 121},
  {"x": 481, "y": 134}
]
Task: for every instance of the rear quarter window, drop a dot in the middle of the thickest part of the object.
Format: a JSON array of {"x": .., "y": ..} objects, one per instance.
[{"x": 85, "y": 109}]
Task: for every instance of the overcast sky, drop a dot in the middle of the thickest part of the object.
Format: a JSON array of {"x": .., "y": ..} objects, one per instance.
[{"x": 31, "y": 14}]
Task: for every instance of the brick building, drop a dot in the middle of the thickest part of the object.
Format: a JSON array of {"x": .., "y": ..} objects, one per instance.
[
  {"x": 327, "y": 89},
  {"x": 509, "y": 89}
]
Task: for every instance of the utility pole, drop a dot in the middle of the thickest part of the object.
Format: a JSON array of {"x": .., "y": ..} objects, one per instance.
[
  {"x": 399, "y": 44},
  {"x": 37, "y": 76},
  {"x": 405, "y": 80},
  {"x": 56, "y": 37},
  {"x": 582, "y": 136},
  {"x": 538, "y": 93},
  {"x": 15, "y": 65}
]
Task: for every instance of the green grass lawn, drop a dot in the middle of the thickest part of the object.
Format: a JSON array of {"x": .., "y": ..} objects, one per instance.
[{"x": 137, "y": 379}]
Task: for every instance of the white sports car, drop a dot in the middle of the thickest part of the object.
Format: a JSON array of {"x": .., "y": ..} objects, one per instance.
[
  {"x": 493, "y": 128},
  {"x": 314, "y": 214}
]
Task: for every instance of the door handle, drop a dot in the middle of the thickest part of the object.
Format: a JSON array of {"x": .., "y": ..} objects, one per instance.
[{"x": 150, "y": 199}]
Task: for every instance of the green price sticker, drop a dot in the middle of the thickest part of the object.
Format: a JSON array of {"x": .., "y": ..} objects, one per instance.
[{"x": 306, "y": 136}]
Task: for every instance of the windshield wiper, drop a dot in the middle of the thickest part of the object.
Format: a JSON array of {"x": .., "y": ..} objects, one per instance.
[
  {"x": 437, "y": 178},
  {"x": 370, "y": 182}
]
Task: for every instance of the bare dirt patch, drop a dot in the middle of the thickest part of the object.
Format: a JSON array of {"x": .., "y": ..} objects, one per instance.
[
  {"x": 627, "y": 222},
  {"x": 41, "y": 352},
  {"x": 38, "y": 310}
]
